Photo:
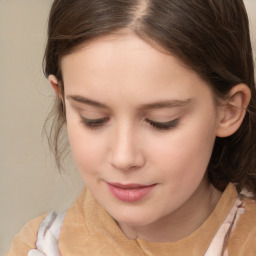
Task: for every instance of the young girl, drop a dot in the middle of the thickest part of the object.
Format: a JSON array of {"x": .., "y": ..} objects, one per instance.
[{"x": 158, "y": 100}]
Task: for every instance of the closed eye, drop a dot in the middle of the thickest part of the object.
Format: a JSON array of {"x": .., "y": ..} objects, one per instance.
[
  {"x": 97, "y": 123},
  {"x": 163, "y": 125},
  {"x": 94, "y": 123}
]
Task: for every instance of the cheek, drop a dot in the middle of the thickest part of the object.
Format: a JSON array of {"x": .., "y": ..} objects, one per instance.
[
  {"x": 185, "y": 155},
  {"x": 86, "y": 148}
]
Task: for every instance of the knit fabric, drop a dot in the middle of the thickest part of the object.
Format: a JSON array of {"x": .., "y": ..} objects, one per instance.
[{"x": 89, "y": 230}]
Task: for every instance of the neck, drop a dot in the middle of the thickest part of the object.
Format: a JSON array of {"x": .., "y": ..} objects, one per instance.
[{"x": 181, "y": 223}]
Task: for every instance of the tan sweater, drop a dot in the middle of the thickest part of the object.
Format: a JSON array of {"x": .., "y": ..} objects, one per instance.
[{"x": 89, "y": 230}]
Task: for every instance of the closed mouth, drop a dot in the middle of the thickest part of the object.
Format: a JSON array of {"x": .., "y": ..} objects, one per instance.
[{"x": 130, "y": 192}]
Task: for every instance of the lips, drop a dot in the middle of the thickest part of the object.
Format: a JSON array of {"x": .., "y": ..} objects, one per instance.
[{"x": 130, "y": 192}]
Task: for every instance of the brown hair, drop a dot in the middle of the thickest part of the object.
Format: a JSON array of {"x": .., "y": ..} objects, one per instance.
[{"x": 211, "y": 36}]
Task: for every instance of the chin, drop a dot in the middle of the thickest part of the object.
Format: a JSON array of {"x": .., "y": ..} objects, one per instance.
[{"x": 134, "y": 219}]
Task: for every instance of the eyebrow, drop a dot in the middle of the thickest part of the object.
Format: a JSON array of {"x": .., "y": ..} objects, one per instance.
[
  {"x": 166, "y": 104},
  {"x": 86, "y": 101},
  {"x": 154, "y": 105}
]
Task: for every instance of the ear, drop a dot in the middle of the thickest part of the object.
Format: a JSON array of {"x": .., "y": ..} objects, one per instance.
[
  {"x": 55, "y": 85},
  {"x": 232, "y": 113}
]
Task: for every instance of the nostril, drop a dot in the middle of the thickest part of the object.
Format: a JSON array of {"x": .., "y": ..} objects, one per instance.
[
  {"x": 127, "y": 160},
  {"x": 125, "y": 152}
]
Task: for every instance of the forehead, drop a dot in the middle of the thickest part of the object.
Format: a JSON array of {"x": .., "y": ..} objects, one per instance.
[
  {"x": 123, "y": 62},
  {"x": 117, "y": 45}
]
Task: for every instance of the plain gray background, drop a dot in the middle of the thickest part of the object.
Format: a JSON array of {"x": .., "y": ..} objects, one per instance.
[{"x": 29, "y": 181}]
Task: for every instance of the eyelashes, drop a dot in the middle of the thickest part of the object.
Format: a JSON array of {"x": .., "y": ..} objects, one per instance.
[
  {"x": 94, "y": 123},
  {"x": 162, "y": 126}
]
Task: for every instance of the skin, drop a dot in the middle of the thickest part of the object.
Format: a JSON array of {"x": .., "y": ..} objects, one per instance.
[{"x": 119, "y": 78}]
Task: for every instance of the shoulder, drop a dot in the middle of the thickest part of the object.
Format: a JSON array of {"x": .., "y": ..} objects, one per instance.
[
  {"x": 25, "y": 240},
  {"x": 242, "y": 239}
]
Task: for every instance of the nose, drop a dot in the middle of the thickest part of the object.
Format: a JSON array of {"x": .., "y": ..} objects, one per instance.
[{"x": 126, "y": 152}]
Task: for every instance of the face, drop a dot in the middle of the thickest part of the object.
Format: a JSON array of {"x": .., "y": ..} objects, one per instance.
[{"x": 141, "y": 127}]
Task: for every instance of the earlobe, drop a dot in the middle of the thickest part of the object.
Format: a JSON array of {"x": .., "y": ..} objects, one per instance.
[
  {"x": 55, "y": 85},
  {"x": 232, "y": 113}
]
